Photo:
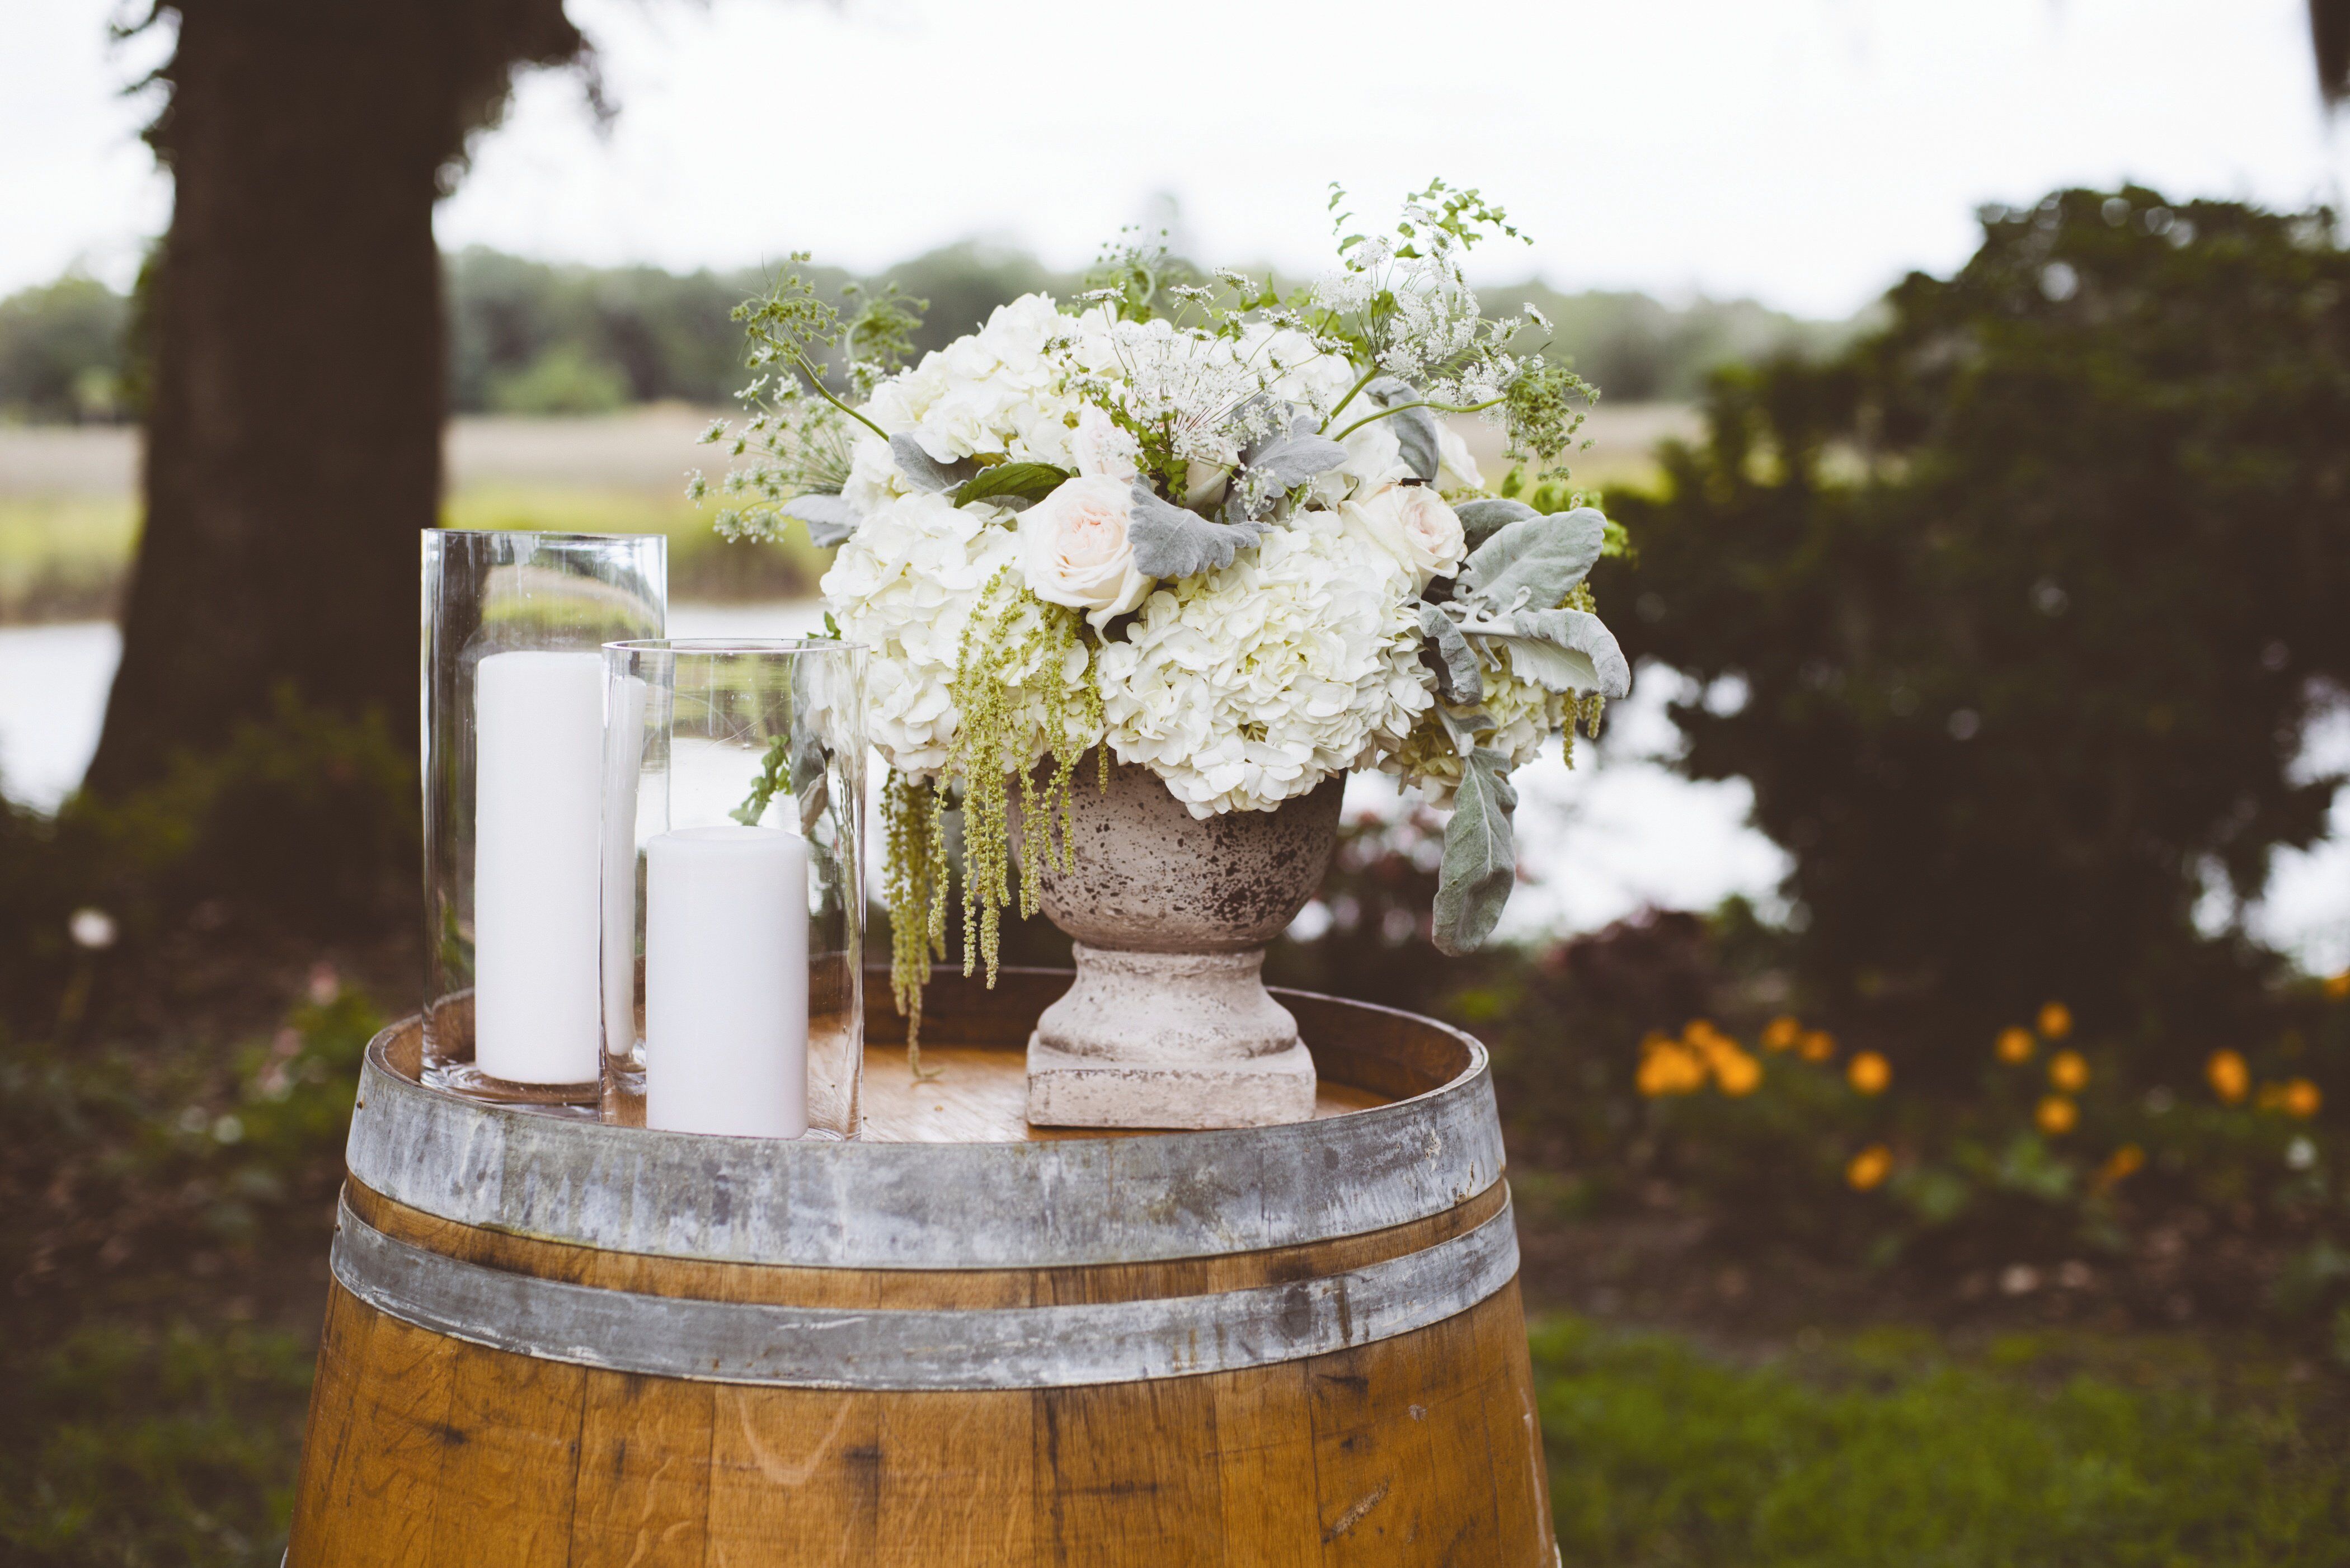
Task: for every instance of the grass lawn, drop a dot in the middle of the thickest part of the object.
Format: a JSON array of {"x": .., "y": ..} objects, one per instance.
[
  {"x": 1888, "y": 1448},
  {"x": 67, "y": 557},
  {"x": 63, "y": 557}
]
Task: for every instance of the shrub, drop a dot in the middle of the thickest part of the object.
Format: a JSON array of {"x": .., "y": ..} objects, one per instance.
[{"x": 2014, "y": 612}]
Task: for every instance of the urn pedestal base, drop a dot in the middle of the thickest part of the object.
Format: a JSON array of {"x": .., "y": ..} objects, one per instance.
[{"x": 1168, "y": 1040}]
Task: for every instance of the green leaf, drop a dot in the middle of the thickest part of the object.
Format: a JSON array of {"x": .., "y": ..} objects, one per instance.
[
  {"x": 1414, "y": 426},
  {"x": 1449, "y": 654},
  {"x": 1533, "y": 561},
  {"x": 1171, "y": 540},
  {"x": 1013, "y": 484},
  {"x": 829, "y": 519},
  {"x": 1293, "y": 458},
  {"x": 1480, "y": 862},
  {"x": 1559, "y": 649},
  {"x": 1482, "y": 518},
  {"x": 925, "y": 471}
]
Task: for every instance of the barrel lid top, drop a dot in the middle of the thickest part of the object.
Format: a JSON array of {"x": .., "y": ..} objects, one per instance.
[{"x": 1367, "y": 1162}]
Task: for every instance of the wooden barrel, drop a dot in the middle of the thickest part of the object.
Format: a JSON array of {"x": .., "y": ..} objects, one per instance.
[{"x": 957, "y": 1341}]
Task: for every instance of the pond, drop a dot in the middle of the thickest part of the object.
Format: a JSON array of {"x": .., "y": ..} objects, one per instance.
[{"x": 1617, "y": 832}]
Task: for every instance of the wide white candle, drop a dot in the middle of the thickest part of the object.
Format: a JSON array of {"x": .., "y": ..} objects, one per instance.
[
  {"x": 538, "y": 802},
  {"x": 726, "y": 916}
]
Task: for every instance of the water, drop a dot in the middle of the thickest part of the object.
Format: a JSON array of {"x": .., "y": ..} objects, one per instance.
[
  {"x": 53, "y": 686},
  {"x": 1618, "y": 832}
]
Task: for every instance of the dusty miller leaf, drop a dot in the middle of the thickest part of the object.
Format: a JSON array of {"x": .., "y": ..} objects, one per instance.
[
  {"x": 1560, "y": 649},
  {"x": 925, "y": 471},
  {"x": 1018, "y": 485},
  {"x": 830, "y": 519},
  {"x": 1291, "y": 459},
  {"x": 1480, "y": 863},
  {"x": 1171, "y": 540},
  {"x": 1415, "y": 428},
  {"x": 1533, "y": 561},
  {"x": 1449, "y": 654},
  {"x": 1482, "y": 518}
]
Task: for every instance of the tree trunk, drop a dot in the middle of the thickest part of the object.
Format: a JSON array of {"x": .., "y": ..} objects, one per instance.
[{"x": 294, "y": 431}]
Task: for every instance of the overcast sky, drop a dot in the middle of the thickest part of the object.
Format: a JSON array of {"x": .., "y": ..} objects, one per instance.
[{"x": 1806, "y": 152}]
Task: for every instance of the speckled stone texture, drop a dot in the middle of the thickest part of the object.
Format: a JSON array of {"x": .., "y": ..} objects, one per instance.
[{"x": 1169, "y": 1024}]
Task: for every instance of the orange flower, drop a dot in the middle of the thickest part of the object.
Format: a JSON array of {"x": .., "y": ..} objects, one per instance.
[
  {"x": 2231, "y": 1079},
  {"x": 1869, "y": 1073},
  {"x": 1868, "y": 1167},
  {"x": 1816, "y": 1045},
  {"x": 1699, "y": 1030},
  {"x": 2337, "y": 986},
  {"x": 2068, "y": 1072},
  {"x": 2056, "y": 1115},
  {"x": 1738, "y": 1074},
  {"x": 1781, "y": 1033},
  {"x": 2302, "y": 1098},
  {"x": 1668, "y": 1068},
  {"x": 2016, "y": 1045},
  {"x": 2119, "y": 1164},
  {"x": 2056, "y": 1021}
]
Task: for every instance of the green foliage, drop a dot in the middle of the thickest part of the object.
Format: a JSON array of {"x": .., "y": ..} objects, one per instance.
[
  {"x": 1884, "y": 1450},
  {"x": 1643, "y": 351},
  {"x": 562, "y": 380},
  {"x": 152, "y": 1192},
  {"x": 655, "y": 335},
  {"x": 61, "y": 352},
  {"x": 172, "y": 1446},
  {"x": 2028, "y": 596},
  {"x": 306, "y": 824},
  {"x": 652, "y": 334}
]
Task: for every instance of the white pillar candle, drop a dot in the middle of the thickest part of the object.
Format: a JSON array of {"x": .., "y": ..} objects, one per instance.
[
  {"x": 624, "y": 741},
  {"x": 726, "y": 916},
  {"x": 538, "y": 720}
]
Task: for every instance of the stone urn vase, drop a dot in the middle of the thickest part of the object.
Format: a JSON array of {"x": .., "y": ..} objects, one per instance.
[{"x": 1169, "y": 1024}]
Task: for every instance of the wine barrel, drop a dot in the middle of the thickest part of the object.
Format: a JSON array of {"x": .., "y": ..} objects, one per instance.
[{"x": 959, "y": 1340}]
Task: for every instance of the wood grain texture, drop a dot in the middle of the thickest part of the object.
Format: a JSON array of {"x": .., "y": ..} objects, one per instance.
[
  {"x": 641, "y": 1497},
  {"x": 1420, "y": 1448},
  {"x": 1416, "y": 1449}
]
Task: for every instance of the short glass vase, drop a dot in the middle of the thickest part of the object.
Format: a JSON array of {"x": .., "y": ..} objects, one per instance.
[
  {"x": 515, "y": 625},
  {"x": 733, "y": 887}
]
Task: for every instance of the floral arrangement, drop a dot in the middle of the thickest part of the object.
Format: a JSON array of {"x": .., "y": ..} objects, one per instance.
[{"x": 1202, "y": 525}]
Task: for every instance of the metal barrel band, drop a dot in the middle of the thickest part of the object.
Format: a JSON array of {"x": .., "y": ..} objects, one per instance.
[
  {"x": 872, "y": 1205},
  {"x": 1012, "y": 1347}
]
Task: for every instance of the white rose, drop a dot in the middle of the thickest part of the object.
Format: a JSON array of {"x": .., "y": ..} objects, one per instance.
[
  {"x": 1456, "y": 470},
  {"x": 1203, "y": 482},
  {"x": 1102, "y": 450},
  {"x": 1074, "y": 548},
  {"x": 1412, "y": 525}
]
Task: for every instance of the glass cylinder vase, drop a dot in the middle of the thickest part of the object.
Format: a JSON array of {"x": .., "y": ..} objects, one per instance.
[
  {"x": 515, "y": 625},
  {"x": 735, "y": 887}
]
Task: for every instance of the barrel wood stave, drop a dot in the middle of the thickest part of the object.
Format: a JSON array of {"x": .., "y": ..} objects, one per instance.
[{"x": 1388, "y": 1445}]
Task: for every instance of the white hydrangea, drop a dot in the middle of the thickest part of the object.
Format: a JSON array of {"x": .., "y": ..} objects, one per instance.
[
  {"x": 905, "y": 584},
  {"x": 1002, "y": 388},
  {"x": 1249, "y": 685}
]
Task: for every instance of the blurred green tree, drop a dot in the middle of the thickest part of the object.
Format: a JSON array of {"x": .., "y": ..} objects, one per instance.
[
  {"x": 61, "y": 351},
  {"x": 2016, "y": 613}
]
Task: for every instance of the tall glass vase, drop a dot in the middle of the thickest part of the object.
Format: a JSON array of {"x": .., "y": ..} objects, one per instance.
[
  {"x": 735, "y": 887},
  {"x": 513, "y": 770}
]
